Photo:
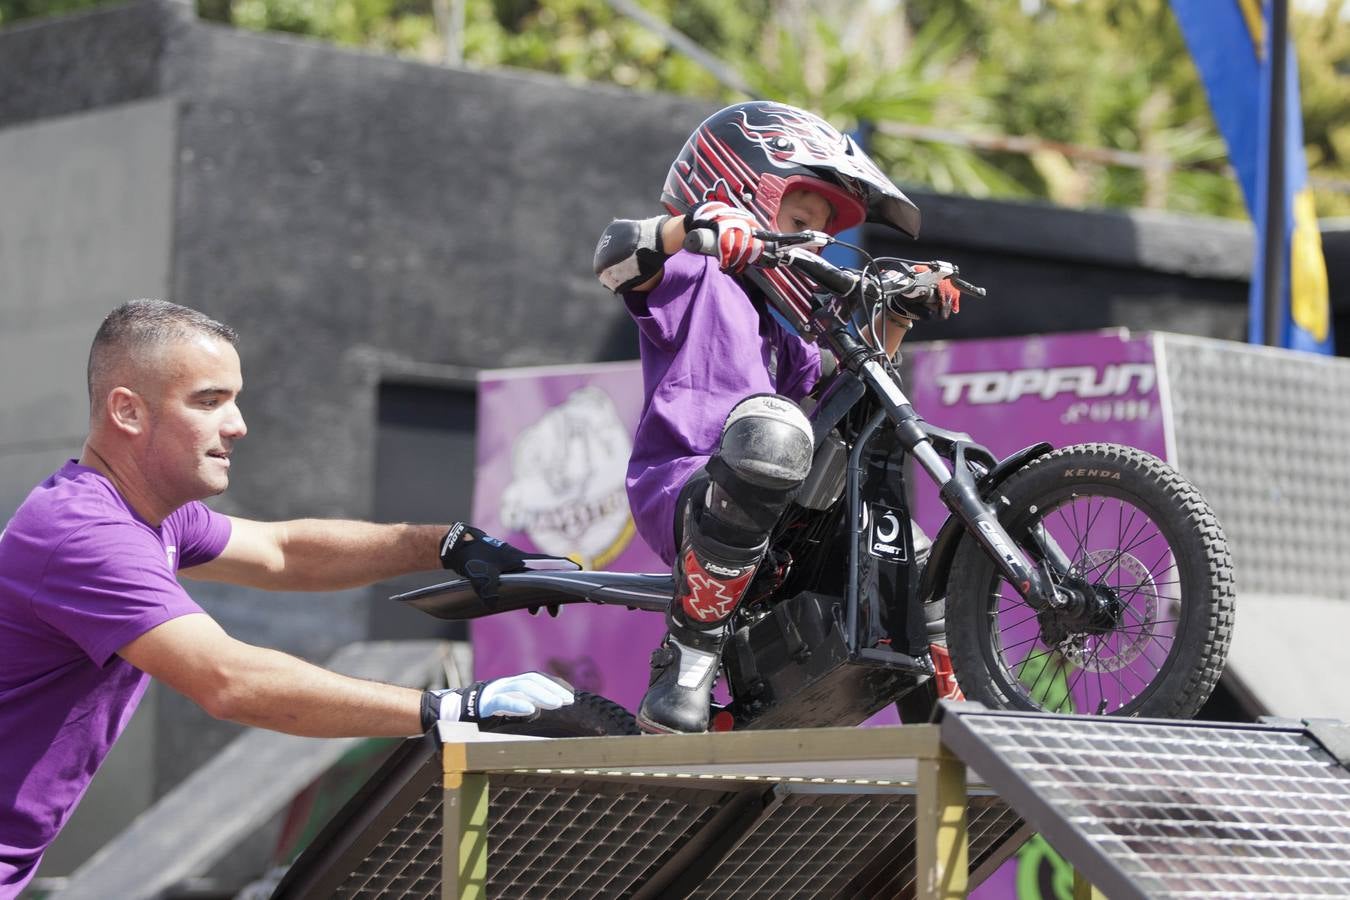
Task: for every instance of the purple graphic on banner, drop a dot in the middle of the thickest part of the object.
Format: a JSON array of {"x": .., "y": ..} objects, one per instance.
[
  {"x": 1013, "y": 392},
  {"x": 553, "y": 446}
]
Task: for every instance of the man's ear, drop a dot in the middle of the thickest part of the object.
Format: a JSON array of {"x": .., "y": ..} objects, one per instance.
[{"x": 127, "y": 412}]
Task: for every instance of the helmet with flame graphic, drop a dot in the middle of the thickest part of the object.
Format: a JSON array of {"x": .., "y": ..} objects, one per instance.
[{"x": 750, "y": 155}]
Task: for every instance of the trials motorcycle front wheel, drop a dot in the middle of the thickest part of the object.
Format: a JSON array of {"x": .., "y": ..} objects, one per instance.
[{"x": 1150, "y": 560}]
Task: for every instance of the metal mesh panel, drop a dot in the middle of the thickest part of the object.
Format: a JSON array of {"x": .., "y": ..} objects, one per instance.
[
  {"x": 1262, "y": 433},
  {"x": 891, "y": 873},
  {"x": 856, "y": 845},
  {"x": 623, "y": 832},
  {"x": 809, "y": 845},
  {"x": 550, "y": 837},
  {"x": 563, "y": 837},
  {"x": 568, "y": 838},
  {"x": 991, "y": 822},
  {"x": 1183, "y": 811},
  {"x": 406, "y": 863}
]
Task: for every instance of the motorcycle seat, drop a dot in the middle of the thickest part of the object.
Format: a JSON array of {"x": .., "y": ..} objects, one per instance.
[{"x": 533, "y": 590}]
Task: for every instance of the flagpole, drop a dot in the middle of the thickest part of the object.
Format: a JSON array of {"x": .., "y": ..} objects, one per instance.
[{"x": 1276, "y": 224}]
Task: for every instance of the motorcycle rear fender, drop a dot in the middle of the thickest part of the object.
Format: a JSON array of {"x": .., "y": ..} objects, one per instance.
[
  {"x": 535, "y": 590},
  {"x": 934, "y": 583}
]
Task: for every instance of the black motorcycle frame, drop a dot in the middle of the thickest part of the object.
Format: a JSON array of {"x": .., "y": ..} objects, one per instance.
[{"x": 813, "y": 658}]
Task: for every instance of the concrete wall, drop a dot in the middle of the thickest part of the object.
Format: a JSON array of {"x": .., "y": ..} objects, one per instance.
[
  {"x": 364, "y": 220},
  {"x": 105, "y": 57},
  {"x": 354, "y": 215},
  {"x": 349, "y": 212},
  {"x": 85, "y": 223},
  {"x": 1051, "y": 270}
]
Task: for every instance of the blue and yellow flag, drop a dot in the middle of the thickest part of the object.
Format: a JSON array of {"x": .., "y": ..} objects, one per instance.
[{"x": 1229, "y": 41}]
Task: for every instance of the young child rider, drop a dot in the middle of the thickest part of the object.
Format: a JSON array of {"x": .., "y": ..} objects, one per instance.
[{"x": 721, "y": 446}]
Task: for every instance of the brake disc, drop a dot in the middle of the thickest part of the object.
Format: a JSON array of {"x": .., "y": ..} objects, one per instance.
[{"x": 1122, "y": 645}]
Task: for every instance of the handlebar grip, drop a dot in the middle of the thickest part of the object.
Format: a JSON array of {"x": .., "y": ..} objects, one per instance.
[
  {"x": 702, "y": 241},
  {"x": 834, "y": 280}
]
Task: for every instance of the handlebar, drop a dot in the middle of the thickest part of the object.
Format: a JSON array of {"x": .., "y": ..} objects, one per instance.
[
  {"x": 702, "y": 241},
  {"x": 781, "y": 250},
  {"x": 786, "y": 249}
]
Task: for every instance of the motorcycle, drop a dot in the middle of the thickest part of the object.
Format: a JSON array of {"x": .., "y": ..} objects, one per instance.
[{"x": 1091, "y": 579}]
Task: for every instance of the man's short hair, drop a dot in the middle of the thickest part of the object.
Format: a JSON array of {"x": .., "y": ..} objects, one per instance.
[{"x": 141, "y": 326}]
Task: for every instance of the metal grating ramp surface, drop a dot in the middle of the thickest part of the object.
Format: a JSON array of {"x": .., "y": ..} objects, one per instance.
[
  {"x": 615, "y": 834},
  {"x": 1172, "y": 809}
]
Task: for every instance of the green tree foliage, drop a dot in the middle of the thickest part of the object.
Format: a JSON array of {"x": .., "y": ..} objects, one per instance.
[
  {"x": 1099, "y": 73},
  {"x": 1066, "y": 74},
  {"x": 389, "y": 25},
  {"x": 586, "y": 40},
  {"x": 1324, "y": 79},
  {"x": 884, "y": 73},
  {"x": 14, "y": 10}
]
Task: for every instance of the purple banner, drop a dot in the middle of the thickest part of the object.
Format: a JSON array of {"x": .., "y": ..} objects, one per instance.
[
  {"x": 1013, "y": 392},
  {"x": 553, "y": 446}
]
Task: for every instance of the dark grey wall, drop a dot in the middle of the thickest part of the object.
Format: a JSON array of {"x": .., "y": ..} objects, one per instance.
[
  {"x": 353, "y": 214},
  {"x": 1050, "y": 269},
  {"x": 111, "y": 55},
  {"x": 347, "y": 211}
]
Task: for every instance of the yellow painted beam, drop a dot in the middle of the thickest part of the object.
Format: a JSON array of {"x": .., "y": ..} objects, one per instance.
[
  {"x": 1083, "y": 889},
  {"x": 465, "y": 839},
  {"x": 670, "y": 752},
  {"x": 942, "y": 857}
]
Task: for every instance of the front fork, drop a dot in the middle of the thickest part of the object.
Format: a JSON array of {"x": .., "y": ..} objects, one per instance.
[{"x": 1036, "y": 584}]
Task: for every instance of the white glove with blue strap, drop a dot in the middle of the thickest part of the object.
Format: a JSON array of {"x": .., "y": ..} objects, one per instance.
[{"x": 514, "y": 695}]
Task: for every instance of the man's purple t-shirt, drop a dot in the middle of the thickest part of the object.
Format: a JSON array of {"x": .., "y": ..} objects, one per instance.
[
  {"x": 81, "y": 576},
  {"x": 705, "y": 347}
]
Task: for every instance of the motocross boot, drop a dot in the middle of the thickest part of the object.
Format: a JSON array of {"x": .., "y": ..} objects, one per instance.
[{"x": 711, "y": 578}]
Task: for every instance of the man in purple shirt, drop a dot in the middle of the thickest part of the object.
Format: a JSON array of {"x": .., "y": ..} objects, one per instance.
[
  {"x": 90, "y": 607},
  {"x": 722, "y": 446}
]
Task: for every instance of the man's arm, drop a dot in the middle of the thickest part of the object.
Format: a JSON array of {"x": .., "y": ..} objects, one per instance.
[
  {"x": 268, "y": 689},
  {"x": 321, "y": 554}
]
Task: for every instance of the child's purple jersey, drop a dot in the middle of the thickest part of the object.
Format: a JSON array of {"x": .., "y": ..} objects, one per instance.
[
  {"x": 81, "y": 576},
  {"x": 705, "y": 347}
]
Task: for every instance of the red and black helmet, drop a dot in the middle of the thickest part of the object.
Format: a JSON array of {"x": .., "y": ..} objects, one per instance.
[{"x": 751, "y": 154}]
